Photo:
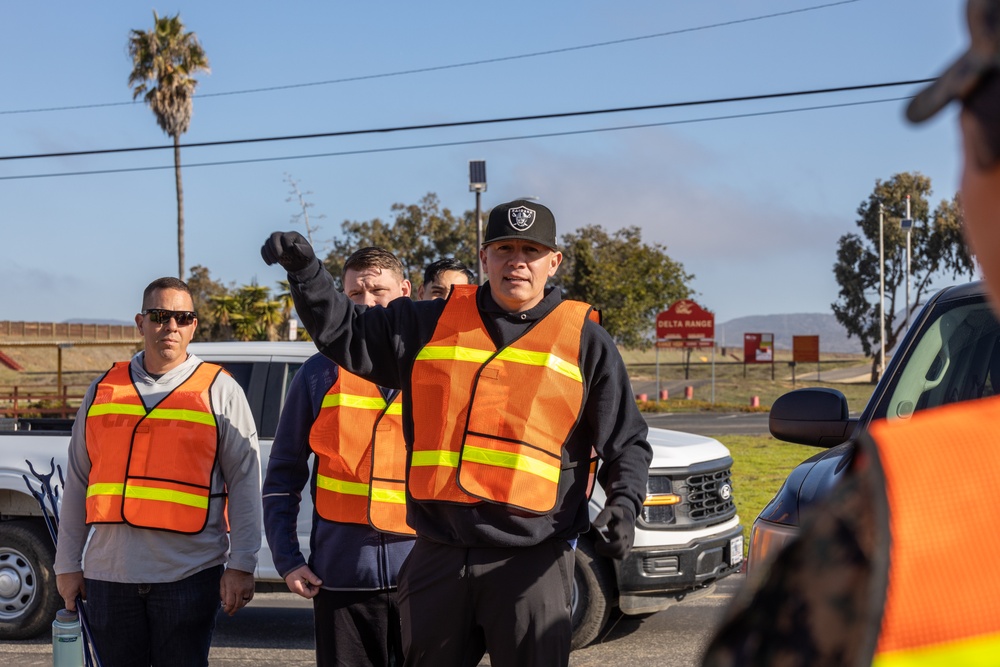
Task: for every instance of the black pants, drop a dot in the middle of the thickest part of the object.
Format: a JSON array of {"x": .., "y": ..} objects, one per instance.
[
  {"x": 163, "y": 624},
  {"x": 458, "y": 603},
  {"x": 357, "y": 628}
]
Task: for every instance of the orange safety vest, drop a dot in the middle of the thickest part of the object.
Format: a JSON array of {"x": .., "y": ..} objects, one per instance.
[
  {"x": 361, "y": 456},
  {"x": 490, "y": 424},
  {"x": 151, "y": 468},
  {"x": 942, "y": 605}
]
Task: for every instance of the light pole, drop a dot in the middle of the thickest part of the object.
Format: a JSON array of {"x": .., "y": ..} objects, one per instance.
[
  {"x": 881, "y": 289},
  {"x": 907, "y": 224},
  {"x": 477, "y": 184}
]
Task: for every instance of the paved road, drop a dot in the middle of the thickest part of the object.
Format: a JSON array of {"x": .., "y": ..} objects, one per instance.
[
  {"x": 277, "y": 630},
  {"x": 711, "y": 424}
]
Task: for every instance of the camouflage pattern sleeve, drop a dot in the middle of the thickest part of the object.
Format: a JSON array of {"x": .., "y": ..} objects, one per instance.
[{"x": 820, "y": 601}]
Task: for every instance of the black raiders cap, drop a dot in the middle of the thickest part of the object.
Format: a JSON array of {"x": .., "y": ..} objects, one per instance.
[{"x": 521, "y": 219}]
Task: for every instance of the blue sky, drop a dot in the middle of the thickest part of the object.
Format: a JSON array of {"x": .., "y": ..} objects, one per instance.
[{"x": 753, "y": 206}]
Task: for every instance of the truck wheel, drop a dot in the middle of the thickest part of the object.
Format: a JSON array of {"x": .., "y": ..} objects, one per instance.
[
  {"x": 593, "y": 594},
  {"x": 29, "y": 598}
]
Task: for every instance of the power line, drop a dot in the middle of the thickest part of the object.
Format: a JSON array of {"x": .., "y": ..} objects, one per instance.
[
  {"x": 438, "y": 68},
  {"x": 467, "y": 142},
  {"x": 469, "y": 123}
]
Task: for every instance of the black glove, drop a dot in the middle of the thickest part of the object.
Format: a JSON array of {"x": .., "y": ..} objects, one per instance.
[
  {"x": 290, "y": 249},
  {"x": 615, "y": 527}
]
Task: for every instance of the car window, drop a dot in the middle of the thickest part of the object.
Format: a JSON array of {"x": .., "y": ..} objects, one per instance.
[
  {"x": 241, "y": 372},
  {"x": 956, "y": 358},
  {"x": 279, "y": 379}
]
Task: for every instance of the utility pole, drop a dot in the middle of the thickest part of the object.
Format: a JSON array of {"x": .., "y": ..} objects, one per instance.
[
  {"x": 881, "y": 288},
  {"x": 907, "y": 224}
]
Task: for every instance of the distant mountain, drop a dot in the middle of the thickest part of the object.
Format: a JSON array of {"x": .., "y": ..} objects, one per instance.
[{"x": 832, "y": 335}]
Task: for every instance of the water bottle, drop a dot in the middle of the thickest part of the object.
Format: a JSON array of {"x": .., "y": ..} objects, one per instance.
[{"x": 67, "y": 642}]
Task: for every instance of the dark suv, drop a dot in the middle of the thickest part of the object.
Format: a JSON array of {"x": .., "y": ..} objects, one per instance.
[{"x": 951, "y": 353}]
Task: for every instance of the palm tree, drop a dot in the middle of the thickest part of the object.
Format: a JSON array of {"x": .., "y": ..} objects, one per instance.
[
  {"x": 225, "y": 311},
  {"x": 164, "y": 61}
]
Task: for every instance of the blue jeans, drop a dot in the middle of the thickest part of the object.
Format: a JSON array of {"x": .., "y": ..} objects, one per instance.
[{"x": 154, "y": 624}]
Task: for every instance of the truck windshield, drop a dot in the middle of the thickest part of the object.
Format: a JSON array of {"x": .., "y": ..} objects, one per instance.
[{"x": 956, "y": 358}]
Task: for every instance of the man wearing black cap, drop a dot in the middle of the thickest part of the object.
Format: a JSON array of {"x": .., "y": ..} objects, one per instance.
[
  {"x": 885, "y": 571},
  {"x": 508, "y": 391}
]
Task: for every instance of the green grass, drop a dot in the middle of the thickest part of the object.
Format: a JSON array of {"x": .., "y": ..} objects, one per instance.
[{"x": 760, "y": 465}]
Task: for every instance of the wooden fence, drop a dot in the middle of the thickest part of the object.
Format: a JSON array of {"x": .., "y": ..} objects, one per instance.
[
  {"x": 66, "y": 331},
  {"x": 18, "y": 402}
]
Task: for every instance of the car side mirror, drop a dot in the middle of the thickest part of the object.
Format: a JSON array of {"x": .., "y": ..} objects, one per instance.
[{"x": 813, "y": 416}]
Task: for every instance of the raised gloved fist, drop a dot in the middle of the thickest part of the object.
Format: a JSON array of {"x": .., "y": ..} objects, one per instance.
[
  {"x": 290, "y": 249},
  {"x": 615, "y": 526}
]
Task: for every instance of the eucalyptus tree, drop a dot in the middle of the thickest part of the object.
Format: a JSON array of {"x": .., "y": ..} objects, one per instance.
[{"x": 936, "y": 249}]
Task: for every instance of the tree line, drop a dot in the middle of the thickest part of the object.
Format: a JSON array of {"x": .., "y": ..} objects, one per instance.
[{"x": 628, "y": 280}]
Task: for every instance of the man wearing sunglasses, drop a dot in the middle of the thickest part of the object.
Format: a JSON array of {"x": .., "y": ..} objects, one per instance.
[{"x": 163, "y": 452}]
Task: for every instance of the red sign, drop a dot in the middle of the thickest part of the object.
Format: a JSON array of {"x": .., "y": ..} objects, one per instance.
[
  {"x": 758, "y": 348},
  {"x": 685, "y": 319},
  {"x": 805, "y": 348}
]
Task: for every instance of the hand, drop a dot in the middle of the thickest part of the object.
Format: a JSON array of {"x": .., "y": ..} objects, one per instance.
[
  {"x": 303, "y": 581},
  {"x": 290, "y": 249},
  {"x": 615, "y": 526},
  {"x": 70, "y": 585},
  {"x": 235, "y": 590}
]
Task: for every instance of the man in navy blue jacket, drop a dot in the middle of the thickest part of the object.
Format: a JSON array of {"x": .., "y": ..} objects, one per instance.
[{"x": 352, "y": 569}]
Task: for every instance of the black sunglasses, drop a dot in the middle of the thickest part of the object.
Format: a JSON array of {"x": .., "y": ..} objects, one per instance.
[{"x": 160, "y": 316}]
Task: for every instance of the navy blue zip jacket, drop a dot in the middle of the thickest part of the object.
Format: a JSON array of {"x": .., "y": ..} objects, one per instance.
[{"x": 345, "y": 556}]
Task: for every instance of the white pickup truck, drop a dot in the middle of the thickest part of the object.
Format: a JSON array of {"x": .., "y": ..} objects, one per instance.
[{"x": 687, "y": 537}]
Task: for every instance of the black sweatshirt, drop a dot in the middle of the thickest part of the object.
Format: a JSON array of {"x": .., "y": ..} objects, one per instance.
[{"x": 380, "y": 344}]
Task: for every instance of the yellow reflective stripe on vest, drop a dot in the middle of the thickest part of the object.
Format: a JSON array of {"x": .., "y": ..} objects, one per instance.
[
  {"x": 436, "y": 457},
  {"x": 387, "y": 496},
  {"x": 513, "y": 461},
  {"x": 167, "y": 496},
  {"x": 972, "y": 652},
  {"x": 511, "y": 354},
  {"x": 105, "y": 489},
  {"x": 183, "y": 416},
  {"x": 115, "y": 409},
  {"x": 546, "y": 359},
  {"x": 353, "y": 401},
  {"x": 340, "y": 486},
  {"x": 432, "y": 352}
]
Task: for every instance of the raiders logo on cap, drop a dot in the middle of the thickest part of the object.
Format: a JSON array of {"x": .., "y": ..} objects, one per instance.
[{"x": 521, "y": 218}]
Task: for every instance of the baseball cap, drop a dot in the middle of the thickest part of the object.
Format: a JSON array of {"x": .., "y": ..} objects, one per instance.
[
  {"x": 521, "y": 219},
  {"x": 966, "y": 73}
]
